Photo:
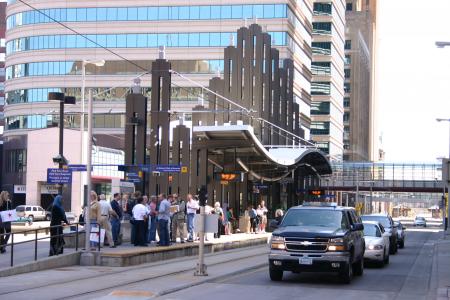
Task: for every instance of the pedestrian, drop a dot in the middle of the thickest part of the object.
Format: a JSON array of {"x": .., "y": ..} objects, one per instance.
[
  {"x": 163, "y": 220},
  {"x": 179, "y": 219},
  {"x": 172, "y": 207},
  {"x": 106, "y": 212},
  {"x": 219, "y": 212},
  {"x": 279, "y": 216},
  {"x": 191, "y": 209},
  {"x": 130, "y": 205},
  {"x": 140, "y": 214},
  {"x": 259, "y": 216},
  {"x": 94, "y": 214},
  {"x": 124, "y": 204},
  {"x": 56, "y": 227},
  {"x": 264, "y": 211},
  {"x": 5, "y": 227},
  {"x": 230, "y": 221},
  {"x": 253, "y": 218},
  {"x": 146, "y": 203},
  {"x": 115, "y": 221},
  {"x": 152, "y": 218}
]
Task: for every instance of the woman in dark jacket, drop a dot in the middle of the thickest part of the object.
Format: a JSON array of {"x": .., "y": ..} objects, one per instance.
[
  {"x": 58, "y": 218},
  {"x": 5, "y": 227}
]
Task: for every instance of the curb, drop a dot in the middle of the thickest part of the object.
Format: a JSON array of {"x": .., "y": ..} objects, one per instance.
[{"x": 208, "y": 280}]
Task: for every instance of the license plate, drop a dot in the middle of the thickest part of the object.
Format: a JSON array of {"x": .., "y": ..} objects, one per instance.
[{"x": 305, "y": 261}]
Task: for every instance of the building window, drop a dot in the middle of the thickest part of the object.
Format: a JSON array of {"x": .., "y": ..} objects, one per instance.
[
  {"x": 320, "y": 108},
  {"x": 322, "y": 8},
  {"x": 16, "y": 161},
  {"x": 324, "y": 146},
  {"x": 348, "y": 45},
  {"x": 321, "y": 68},
  {"x": 320, "y": 128},
  {"x": 321, "y": 27},
  {"x": 347, "y": 87},
  {"x": 320, "y": 88},
  {"x": 321, "y": 48},
  {"x": 346, "y": 129},
  {"x": 349, "y": 7},
  {"x": 347, "y": 73},
  {"x": 346, "y": 102},
  {"x": 348, "y": 60},
  {"x": 346, "y": 146},
  {"x": 346, "y": 117}
]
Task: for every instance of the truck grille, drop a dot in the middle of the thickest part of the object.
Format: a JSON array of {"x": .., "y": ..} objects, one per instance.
[{"x": 306, "y": 244}]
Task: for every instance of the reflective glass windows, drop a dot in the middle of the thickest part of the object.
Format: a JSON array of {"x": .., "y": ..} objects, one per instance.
[
  {"x": 320, "y": 88},
  {"x": 321, "y": 27},
  {"x": 152, "y": 13},
  {"x": 320, "y": 108},
  {"x": 321, "y": 68},
  {"x": 321, "y": 48},
  {"x": 133, "y": 40},
  {"x": 320, "y": 128}
]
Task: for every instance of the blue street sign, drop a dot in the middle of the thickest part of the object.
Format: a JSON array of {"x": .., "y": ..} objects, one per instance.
[
  {"x": 132, "y": 174},
  {"x": 78, "y": 168},
  {"x": 134, "y": 179},
  {"x": 59, "y": 176},
  {"x": 145, "y": 168},
  {"x": 168, "y": 168}
]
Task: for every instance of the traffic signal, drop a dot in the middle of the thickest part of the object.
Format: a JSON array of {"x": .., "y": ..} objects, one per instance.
[{"x": 203, "y": 196}]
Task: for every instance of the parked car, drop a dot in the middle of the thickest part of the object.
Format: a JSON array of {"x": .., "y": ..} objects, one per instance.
[
  {"x": 32, "y": 212},
  {"x": 420, "y": 221},
  {"x": 318, "y": 238},
  {"x": 388, "y": 224},
  {"x": 377, "y": 243},
  {"x": 400, "y": 234}
]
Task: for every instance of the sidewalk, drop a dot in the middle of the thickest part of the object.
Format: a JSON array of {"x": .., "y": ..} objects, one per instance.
[{"x": 441, "y": 269}]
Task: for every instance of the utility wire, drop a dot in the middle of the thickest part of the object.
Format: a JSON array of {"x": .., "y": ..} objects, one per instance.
[{"x": 84, "y": 36}]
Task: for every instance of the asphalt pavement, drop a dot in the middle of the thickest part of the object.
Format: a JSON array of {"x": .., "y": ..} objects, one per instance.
[
  {"x": 235, "y": 274},
  {"x": 407, "y": 276}
]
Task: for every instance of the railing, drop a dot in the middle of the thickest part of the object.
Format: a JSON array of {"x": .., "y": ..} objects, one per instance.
[{"x": 45, "y": 229}]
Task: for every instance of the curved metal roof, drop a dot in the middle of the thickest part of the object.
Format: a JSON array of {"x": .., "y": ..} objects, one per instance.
[{"x": 269, "y": 164}]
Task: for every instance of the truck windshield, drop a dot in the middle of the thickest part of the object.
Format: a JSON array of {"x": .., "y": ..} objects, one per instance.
[{"x": 314, "y": 217}]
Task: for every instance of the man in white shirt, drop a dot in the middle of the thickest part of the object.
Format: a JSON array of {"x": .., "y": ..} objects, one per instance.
[
  {"x": 140, "y": 214},
  {"x": 105, "y": 211},
  {"x": 191, "y": 208}
]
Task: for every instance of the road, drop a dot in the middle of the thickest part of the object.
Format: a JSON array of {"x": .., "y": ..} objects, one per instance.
[
  {"x": 234, "y": 274},
  {"x": 406, "y": 277}
]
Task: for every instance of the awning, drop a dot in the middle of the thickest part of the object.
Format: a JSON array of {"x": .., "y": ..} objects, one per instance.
[{"x": 270, "y": 164}]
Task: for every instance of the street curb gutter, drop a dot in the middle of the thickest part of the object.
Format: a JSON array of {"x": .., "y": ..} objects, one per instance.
[
  {"x": 207, "y": 280},
  {"x": 63, "y": 260}
]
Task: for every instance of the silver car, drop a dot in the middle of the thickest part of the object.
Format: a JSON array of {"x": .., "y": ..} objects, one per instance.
[
  {"x": 420, "y": 221},
  {"x": 377, "y": 243}
]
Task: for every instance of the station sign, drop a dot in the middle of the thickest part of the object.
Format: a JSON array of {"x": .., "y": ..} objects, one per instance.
[
  {"x": 167, "y": 168},
  {"x": 59, "y": 176}
]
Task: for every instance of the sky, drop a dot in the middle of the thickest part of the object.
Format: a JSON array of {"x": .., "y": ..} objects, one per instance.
[{"x": 413, "y": 79}]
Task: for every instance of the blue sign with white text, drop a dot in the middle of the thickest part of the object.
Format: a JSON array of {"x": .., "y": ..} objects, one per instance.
[
  {"x": 59, "y": 176},
  {"x": 168, "y": 168}
]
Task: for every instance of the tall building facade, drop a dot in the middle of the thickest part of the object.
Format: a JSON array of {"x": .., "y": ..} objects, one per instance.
[
  {"x": 45, "y": 56},
  {"x": 360, "y": 50},
  {"x": 327, "y": 87}
]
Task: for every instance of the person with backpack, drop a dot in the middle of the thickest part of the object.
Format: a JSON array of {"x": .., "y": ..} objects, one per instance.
[{"x": 179, "y": 219}]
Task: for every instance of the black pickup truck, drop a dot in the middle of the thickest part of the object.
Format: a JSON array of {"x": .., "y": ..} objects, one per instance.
[{"x": 318, "y": 238}]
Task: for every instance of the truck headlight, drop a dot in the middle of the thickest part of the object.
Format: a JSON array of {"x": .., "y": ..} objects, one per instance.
[
  {"x": 336, "y": 244},
  {"x": 277, "y": 243}
]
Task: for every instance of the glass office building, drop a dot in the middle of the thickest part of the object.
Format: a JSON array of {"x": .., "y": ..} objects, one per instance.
[{"x": 45, "y": 49}]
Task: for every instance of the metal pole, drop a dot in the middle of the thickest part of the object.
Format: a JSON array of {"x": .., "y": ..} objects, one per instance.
[
  {"x": 61, "y": 139},
  {"x": 371, "y": 198},
  {"x": 357, "y": 188},
  {"x": 88, "y": 173},
  {"x": 201, "y": 267},
  {"x": 83, "y": 109}
]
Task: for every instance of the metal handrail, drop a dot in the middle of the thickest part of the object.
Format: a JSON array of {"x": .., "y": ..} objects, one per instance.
[{"x": 46, "y": 229}]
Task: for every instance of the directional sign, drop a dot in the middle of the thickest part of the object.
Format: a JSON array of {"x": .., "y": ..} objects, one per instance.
[
  {"x": 78, "y": 168},
  {"x": 184, "y": 169},
  {"x": 59, "y": 176},
  {"x": 168, "y": 168}
]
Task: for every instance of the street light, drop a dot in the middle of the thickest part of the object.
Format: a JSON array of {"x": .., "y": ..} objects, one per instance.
[
  {"x": 97, "y": 63},
  {"x": 62, "y": 99},
  {"x": 87, "y": 258}
]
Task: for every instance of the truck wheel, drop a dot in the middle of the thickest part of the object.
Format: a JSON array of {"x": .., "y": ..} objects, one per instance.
[
  {"x": 275, "y": 275},
  {"x": 358, "y": 267},
  {"x": 346, "y": 275}
]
